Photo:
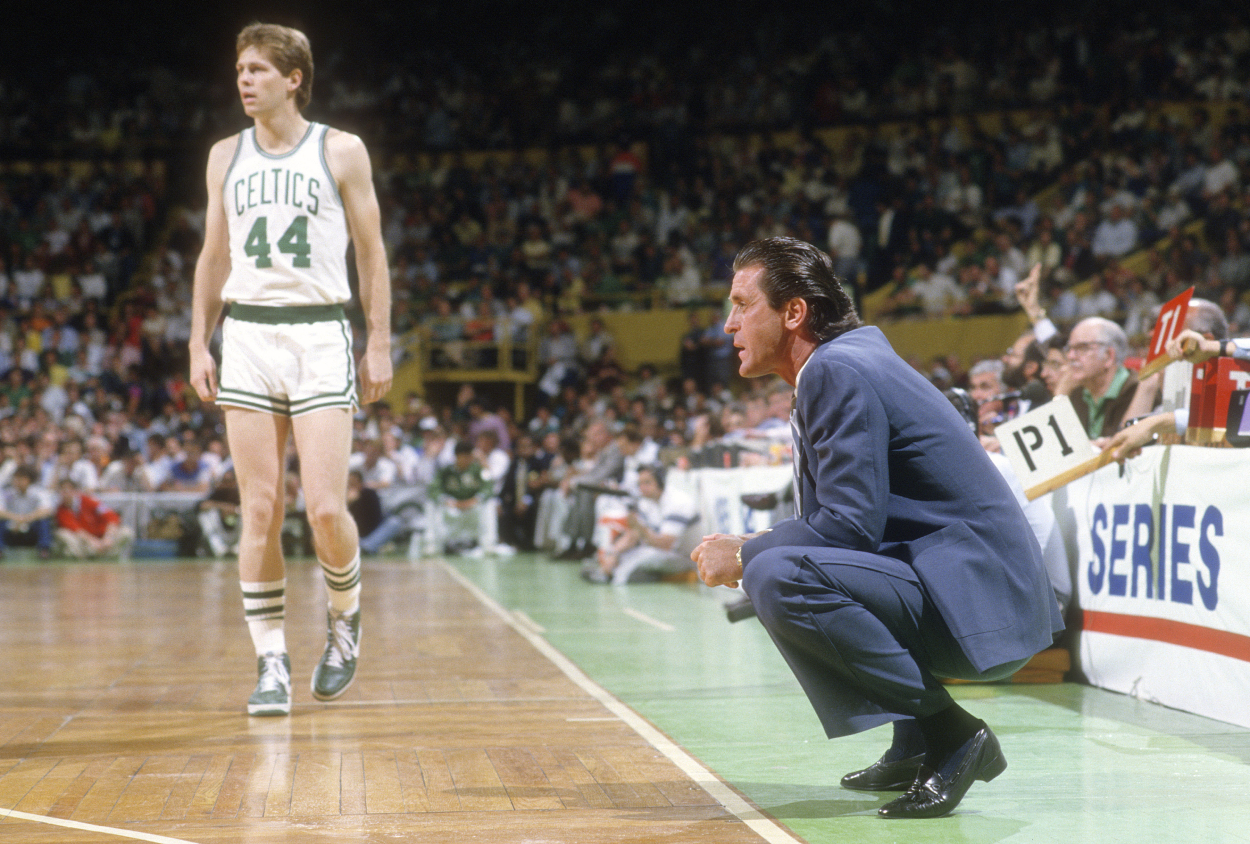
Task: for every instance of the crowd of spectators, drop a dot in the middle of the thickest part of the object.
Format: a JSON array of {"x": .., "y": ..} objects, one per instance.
[
  {"x": 1079, "y": 167},
  {"x": 947, "y": 171}
]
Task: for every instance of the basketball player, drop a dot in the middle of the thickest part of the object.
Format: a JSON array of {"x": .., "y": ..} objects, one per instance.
[{"x": 284, "y": 199}]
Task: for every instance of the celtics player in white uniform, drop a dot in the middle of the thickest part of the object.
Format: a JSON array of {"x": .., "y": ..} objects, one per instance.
[{"x": 284, "y": 197}]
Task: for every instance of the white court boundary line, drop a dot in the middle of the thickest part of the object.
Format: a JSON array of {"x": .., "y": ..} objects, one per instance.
[
  {"x": 734, "y": 803},
  {"x": 529, "y": 623},
  {"x": 90, "y": 827},
  {"x": 646, "y": 619}
]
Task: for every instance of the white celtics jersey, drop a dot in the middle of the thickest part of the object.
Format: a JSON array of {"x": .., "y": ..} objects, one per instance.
[{"x": 288, "y": 232}]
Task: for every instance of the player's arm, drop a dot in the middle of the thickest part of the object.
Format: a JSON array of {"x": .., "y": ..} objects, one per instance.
[
  {"x": 211, "y": 271},
  {"x": 349, "y": 163},
  {"x": 21, "y": 519}
]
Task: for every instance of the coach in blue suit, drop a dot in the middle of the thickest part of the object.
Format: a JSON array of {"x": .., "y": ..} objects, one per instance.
[{"x": 908, "y": 559}]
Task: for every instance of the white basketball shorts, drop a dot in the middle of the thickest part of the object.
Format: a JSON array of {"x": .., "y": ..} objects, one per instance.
[{"x": 287, "y": 360}]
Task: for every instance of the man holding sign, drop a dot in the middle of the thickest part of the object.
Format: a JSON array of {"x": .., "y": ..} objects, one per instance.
[
  {"x": 1049, "y": 448},
  {"x": 1105, "y": 386},
  {"x": 1158, "y": 383},
  {"x": 1204, "y": 337}
]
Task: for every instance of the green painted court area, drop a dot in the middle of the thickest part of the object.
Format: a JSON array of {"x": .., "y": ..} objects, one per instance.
[{"x": 1084, "y": 765}]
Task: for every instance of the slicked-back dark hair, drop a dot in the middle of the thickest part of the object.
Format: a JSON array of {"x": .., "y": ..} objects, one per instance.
[{"x": 794, "y": 269}]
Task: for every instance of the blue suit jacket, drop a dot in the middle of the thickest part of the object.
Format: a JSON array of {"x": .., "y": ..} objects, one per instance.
[{"x": 890, "y": 469}]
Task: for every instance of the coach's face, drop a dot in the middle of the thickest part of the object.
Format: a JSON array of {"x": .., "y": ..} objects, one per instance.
[{"x": 759, "y": 332}]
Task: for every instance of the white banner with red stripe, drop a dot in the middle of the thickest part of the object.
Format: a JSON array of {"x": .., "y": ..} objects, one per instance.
[{"x": 1161, "y": 556}]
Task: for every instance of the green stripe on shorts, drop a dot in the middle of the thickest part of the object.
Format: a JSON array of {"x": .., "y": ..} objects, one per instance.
[
  {"x": 286, "y": 314},
  {"x": 248, "y": 401}
]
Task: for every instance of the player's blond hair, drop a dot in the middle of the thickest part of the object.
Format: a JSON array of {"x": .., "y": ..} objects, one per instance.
[{"x": 287, "y": 48}]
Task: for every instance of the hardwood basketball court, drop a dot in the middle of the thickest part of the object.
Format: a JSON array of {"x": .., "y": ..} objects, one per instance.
[
  {"x": 509, "y": 701},
  {"x": 125, "y": 718}
]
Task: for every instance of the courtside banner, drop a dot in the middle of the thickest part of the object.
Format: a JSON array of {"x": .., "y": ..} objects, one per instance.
[
  {"x": 719, "y": 493},
  {"x": 1161, "y": 549}
]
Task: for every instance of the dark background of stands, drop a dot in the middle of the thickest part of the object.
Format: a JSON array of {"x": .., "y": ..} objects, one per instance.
[{"x": 43, "y": 45}]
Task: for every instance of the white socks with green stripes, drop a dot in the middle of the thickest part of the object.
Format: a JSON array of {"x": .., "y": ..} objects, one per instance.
[
  {"x": 264, "y": 604},
  {"x": 264, "y": 607},
  {"x": 343, "y": 586}
]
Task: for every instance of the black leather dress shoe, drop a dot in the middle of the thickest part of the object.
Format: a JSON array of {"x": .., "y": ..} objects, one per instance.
[
  {"x": 740, "y": 610},
  {"x": 933, "y": 795},
  {"x": 885, "y": 776}
]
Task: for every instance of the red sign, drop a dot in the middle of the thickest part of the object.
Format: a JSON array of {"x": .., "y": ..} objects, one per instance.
[
  {"x": 1170, "y": 323},
  {"x": 1212, "y": 388}
]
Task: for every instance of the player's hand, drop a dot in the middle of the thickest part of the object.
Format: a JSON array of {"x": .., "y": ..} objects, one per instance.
[
  {"x": 203, "y": 374},
  {"x": 375, "y": 374}
]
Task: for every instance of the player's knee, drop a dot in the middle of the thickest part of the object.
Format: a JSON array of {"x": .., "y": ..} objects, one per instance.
[
  {"x": 260, "y": 513},
  {"x": 325, "y": 516}
]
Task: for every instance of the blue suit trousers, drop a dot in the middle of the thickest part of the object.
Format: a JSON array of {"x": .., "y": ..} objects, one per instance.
[{"x": 857, "y": 629}]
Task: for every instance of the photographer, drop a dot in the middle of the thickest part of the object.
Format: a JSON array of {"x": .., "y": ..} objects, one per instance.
[{"x": 657, "y": 539}]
